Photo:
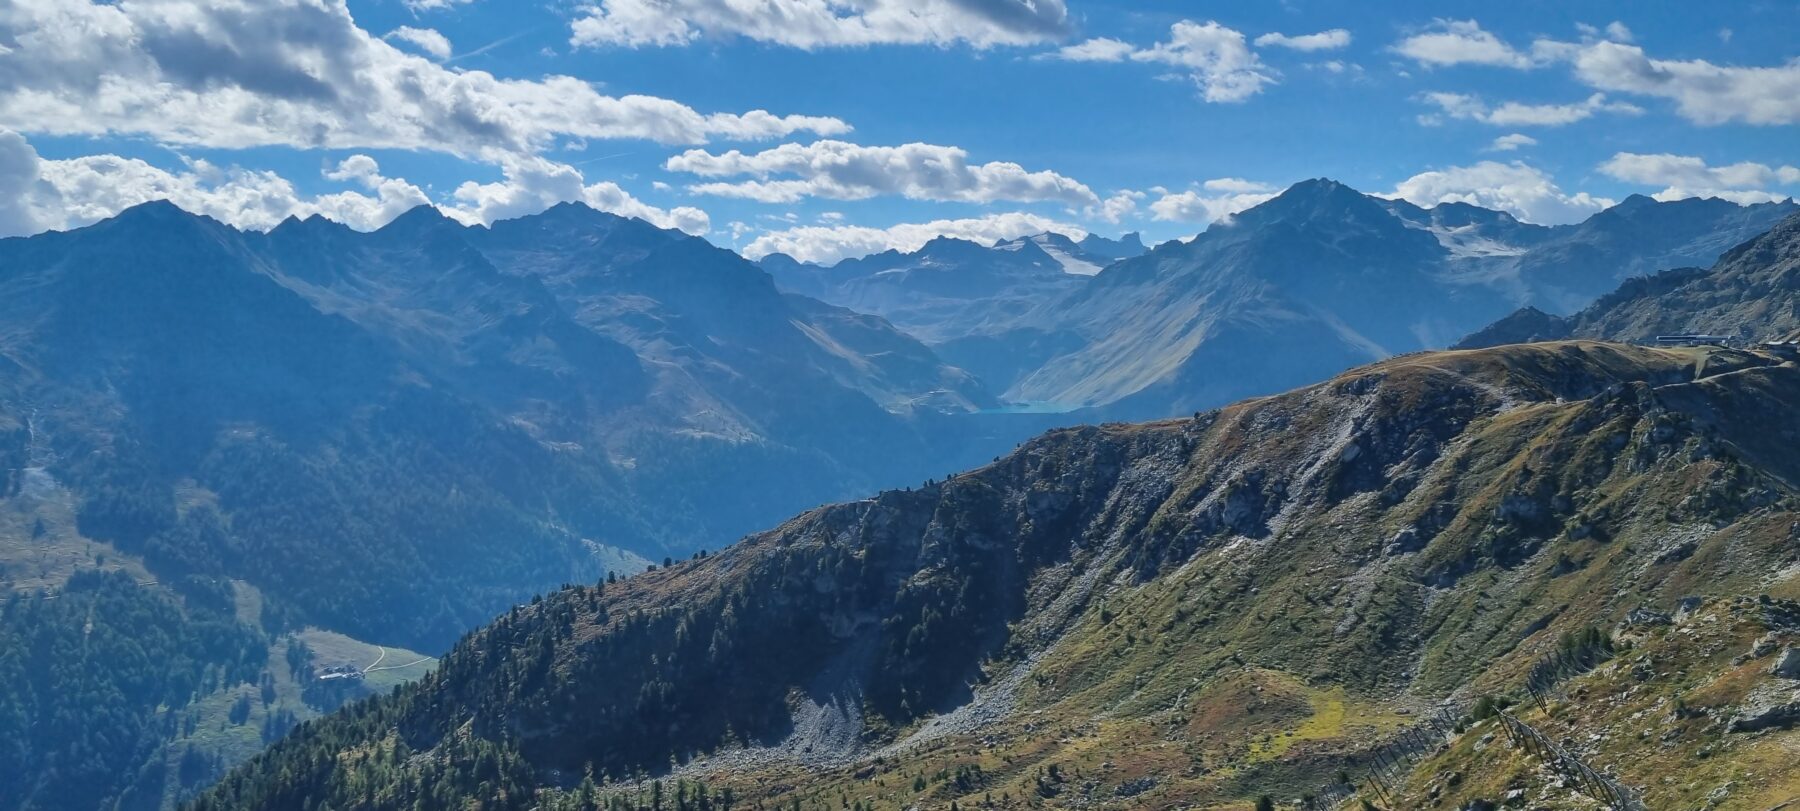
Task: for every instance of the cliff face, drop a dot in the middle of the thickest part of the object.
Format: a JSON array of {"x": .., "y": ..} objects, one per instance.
[{"x": 1176, "y": 612}]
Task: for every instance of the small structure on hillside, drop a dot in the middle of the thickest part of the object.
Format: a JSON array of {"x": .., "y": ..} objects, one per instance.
[
  {"x": 1697, "y": 339},
  {"x": 344, "y": 672},
  {"x": 1789, "y": 349}
]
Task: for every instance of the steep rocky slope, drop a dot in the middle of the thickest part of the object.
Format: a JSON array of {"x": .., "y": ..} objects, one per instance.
[
  {"x": 1751, "y": 293},
  {"x": 1184, "y": 613}
]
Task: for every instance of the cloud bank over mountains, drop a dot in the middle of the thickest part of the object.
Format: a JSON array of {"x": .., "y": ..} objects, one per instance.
[{"x": 38, "y": 194}]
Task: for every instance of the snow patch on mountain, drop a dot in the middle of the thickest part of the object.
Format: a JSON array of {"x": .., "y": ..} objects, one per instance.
[
  {"x": 1467, "y": 241},
  {"x": 1064, "y": 251}
]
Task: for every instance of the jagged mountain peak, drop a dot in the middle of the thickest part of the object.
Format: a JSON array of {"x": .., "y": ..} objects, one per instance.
[
  {"x": 1049, "y": 238},
  {"x": 948, "y": 245},
  {"x": 1650, "y": 214},
  {"x": 418, "y": 219},
  {"x": 578, "y": 214},
  {"x": 582, "y": 231},
  {"x": 1322, "y": 207},
  {"x": 313, "y": 226},
  {"x": 1318, "y": 186},
  {"x": 574, "y": 208},
  {"x": 157, "y": 219},
  {"x": 1125, "y": 247},
  {"x": 1317, "y": 196},
  {"x": 151, "y": 211}
]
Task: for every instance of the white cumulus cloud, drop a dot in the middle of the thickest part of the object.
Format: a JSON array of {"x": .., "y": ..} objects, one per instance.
[
  {"x": 1461, "y": 42},
  {"x": 1098, "y": 49},
  {"x": 1512, "y": 142},
  {"x": 828, "y": 244},
  {"x": 1519, "y": 114},
  {"x": 811, "y": 24},
  {"x": 392, "y": 196},
  {"x": 1322, "y": 41},
  {"x": 301, "y": 73},
  {"x": 1216, "y": 200},
  {"x": 425, "y": 39},
  {"x": 1515, "y": 188},
  {"x": 847, "y": 171},
  {"x": 532, "y": 184},
  {"x": 19, "y": 186},
  {"x": 1116, "y": 206},
  {"x": 1605, "y": 59},
  {"x": 1684, "y": 176},
  {"x": 1703, "y": 92},
  {"x": 38, "y": 194},
  {"x": 1216, "y": 58}
]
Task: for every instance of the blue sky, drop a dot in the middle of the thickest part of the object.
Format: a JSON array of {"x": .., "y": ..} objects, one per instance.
[{"x": 828, "y": 128}]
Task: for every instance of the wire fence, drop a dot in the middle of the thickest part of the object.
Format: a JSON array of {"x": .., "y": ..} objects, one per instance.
[
  {"x": 1568, "y": 662},
  {"x": 1393, "y": 760},
  {"x": 1583, "y": 777},
  {"x": 1396, "y": 756}
]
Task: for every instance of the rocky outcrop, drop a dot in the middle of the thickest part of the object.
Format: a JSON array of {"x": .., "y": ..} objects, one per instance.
[{"x": 1787, "y": 665}]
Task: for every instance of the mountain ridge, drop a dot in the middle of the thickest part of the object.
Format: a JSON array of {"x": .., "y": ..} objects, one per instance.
[
  {"x": 1317, "y": 279},
  {"x": 302, "y": 339},
  {"x": 1103, "y": 593},
  {"x": 949, "y": 286},
  {"x": 1748, "y": 295}
]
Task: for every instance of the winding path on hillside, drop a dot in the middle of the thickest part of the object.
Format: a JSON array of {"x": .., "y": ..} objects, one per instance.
[{"x": 372, "y": 665}]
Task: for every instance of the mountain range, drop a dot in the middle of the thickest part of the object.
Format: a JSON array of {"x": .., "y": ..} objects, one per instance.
[
  {"x": 1316, "y": 280},
  {"x": 223, "y": 450},
  {"x": 565, "y": 382},
  {"x": 952, "y": 288},
  {"x": 236, "y": 444},
  {"x": 1751, "y": 294},
  {"x": 1383, "y": 587}
]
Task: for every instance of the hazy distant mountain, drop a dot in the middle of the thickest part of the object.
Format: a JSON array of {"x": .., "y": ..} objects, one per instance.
[
  {"x": 394, "y": 435},
  {"x": 951, "y": 288},
  {"x": 1564, "y": 269},
  {"x": 1316, "y": 280},
  {"x": 1751, "y": 293},
  {"x": 1072, "y": 255},
  {"x": 461, "y": 411},
  {"x": 1124, "y": 247}
]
